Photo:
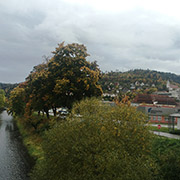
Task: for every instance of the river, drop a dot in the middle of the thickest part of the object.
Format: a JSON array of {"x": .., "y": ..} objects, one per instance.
[{"x": 14, "y": 160}]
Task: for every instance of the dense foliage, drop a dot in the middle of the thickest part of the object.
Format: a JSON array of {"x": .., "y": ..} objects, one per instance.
[
  {"x": 102, "y": 143},
  {"x": 65, "y": 78},
  {"x": 166, "y": 153}
]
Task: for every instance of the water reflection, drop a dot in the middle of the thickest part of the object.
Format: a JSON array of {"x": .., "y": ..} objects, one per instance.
[
  {"x": 9, "y": 127},
  {"x": 14, "y": 161}
]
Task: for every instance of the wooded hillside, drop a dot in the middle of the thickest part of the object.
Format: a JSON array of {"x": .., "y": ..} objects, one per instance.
[
  {"x": 138, "y": 78},
  {"x": 7, "y": 87}
]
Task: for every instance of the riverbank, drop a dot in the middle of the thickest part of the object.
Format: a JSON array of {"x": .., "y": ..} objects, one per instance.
[
  {"x": 29, "y": 159},
  {"x": 32, "y": 141}
]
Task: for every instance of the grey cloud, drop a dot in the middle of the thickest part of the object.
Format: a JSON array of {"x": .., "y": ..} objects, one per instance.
[{"x": 126, "y": 40}]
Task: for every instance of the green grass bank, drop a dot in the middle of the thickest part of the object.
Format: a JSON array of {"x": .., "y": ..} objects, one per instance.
[{"x": 31, "y": 140}]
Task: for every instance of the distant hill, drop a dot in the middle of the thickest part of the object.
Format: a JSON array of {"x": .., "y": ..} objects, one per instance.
[
  {"x": 116, "y": 80},
  {"x": 137, "y": 78},
  {"x": 7, "y": 87}
]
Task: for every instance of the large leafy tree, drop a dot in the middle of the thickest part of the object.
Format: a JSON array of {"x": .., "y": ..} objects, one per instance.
[
  {"x": 38, "y": 94},
  {"x": 65, "y": 78},
  {"x": 71, "y": 76},
  {"x": 105, "y": 143}
]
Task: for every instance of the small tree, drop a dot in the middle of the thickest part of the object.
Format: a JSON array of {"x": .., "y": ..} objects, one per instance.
[
  {"x": 16, "y": 103},
  {"x": 2, "y": 99},
  {"x": 105, "y": 143}
]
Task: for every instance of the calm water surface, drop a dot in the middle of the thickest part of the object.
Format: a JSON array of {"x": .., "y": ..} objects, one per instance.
[{"x": 14, "y": 160}]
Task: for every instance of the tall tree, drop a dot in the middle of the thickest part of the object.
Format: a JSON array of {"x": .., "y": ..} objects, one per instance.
[
  {"x": 37, "y": 89},
  {"x": 71, "y": 76},
  {"x": 65, "y": 78}
]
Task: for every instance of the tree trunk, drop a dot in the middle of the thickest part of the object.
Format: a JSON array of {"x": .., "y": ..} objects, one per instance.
[
  {"x": 54, "y": 111},
  {"x": 47, "y": 112}
]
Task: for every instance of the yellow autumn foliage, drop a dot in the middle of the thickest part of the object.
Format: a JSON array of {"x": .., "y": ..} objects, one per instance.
[{"x": 99, "y": 144}]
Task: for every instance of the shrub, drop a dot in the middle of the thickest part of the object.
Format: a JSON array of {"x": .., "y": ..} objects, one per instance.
[{"x": 105, "y": 143}]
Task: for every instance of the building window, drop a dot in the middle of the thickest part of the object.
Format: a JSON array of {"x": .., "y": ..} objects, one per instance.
[
  {"x": 159, "y": 118},
  {"x": 149, "y": 118},
  {"x": 166, "y": 118},
  {"x": 154, "y": 118}
]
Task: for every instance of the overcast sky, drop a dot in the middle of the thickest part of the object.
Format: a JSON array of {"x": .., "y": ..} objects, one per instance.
[{"x": 119, "y": 34}]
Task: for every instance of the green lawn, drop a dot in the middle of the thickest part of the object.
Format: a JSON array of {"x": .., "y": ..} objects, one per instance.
[
  {"x": 164, "y": 129},
  {"x": 155, "y": 128}
]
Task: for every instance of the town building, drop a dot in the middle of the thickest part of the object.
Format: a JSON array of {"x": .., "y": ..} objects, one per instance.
[
  {"x": 159, "y": 108},
  {"x": 174, "y": 90},
  {"x": 155, "y": 99},
  {"x": 158, "y": 114}
]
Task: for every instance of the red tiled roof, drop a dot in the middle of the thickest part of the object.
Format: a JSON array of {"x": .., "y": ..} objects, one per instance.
[
  {"x": 173, "y": 86},
  {"x": 151, "y": 98}
]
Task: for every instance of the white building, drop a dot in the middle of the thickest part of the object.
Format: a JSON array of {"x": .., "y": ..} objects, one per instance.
[{"x": 174, "y": 90}]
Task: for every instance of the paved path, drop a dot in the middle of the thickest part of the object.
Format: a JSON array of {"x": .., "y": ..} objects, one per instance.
[
  {"x": 168, "y": 135},
  {"x": 173, "y": 136}
]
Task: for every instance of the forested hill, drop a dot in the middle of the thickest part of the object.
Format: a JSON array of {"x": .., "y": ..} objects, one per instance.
[
  {"x": 116, "y": 80},
  {"x": 7, "y": 87},
  {"x": 142, "y": 78}
]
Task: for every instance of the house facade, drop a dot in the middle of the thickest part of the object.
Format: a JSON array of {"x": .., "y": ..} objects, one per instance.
[
  {"x": 157, "y": 107},
  {"x": 158, "y": 114}
]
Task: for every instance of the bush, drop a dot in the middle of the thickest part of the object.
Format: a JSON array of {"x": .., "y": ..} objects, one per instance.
[
  {"x": 166, "y": 153},
  {"x": 105, "y": 143},
  {"x": 176, "y": 131}
]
